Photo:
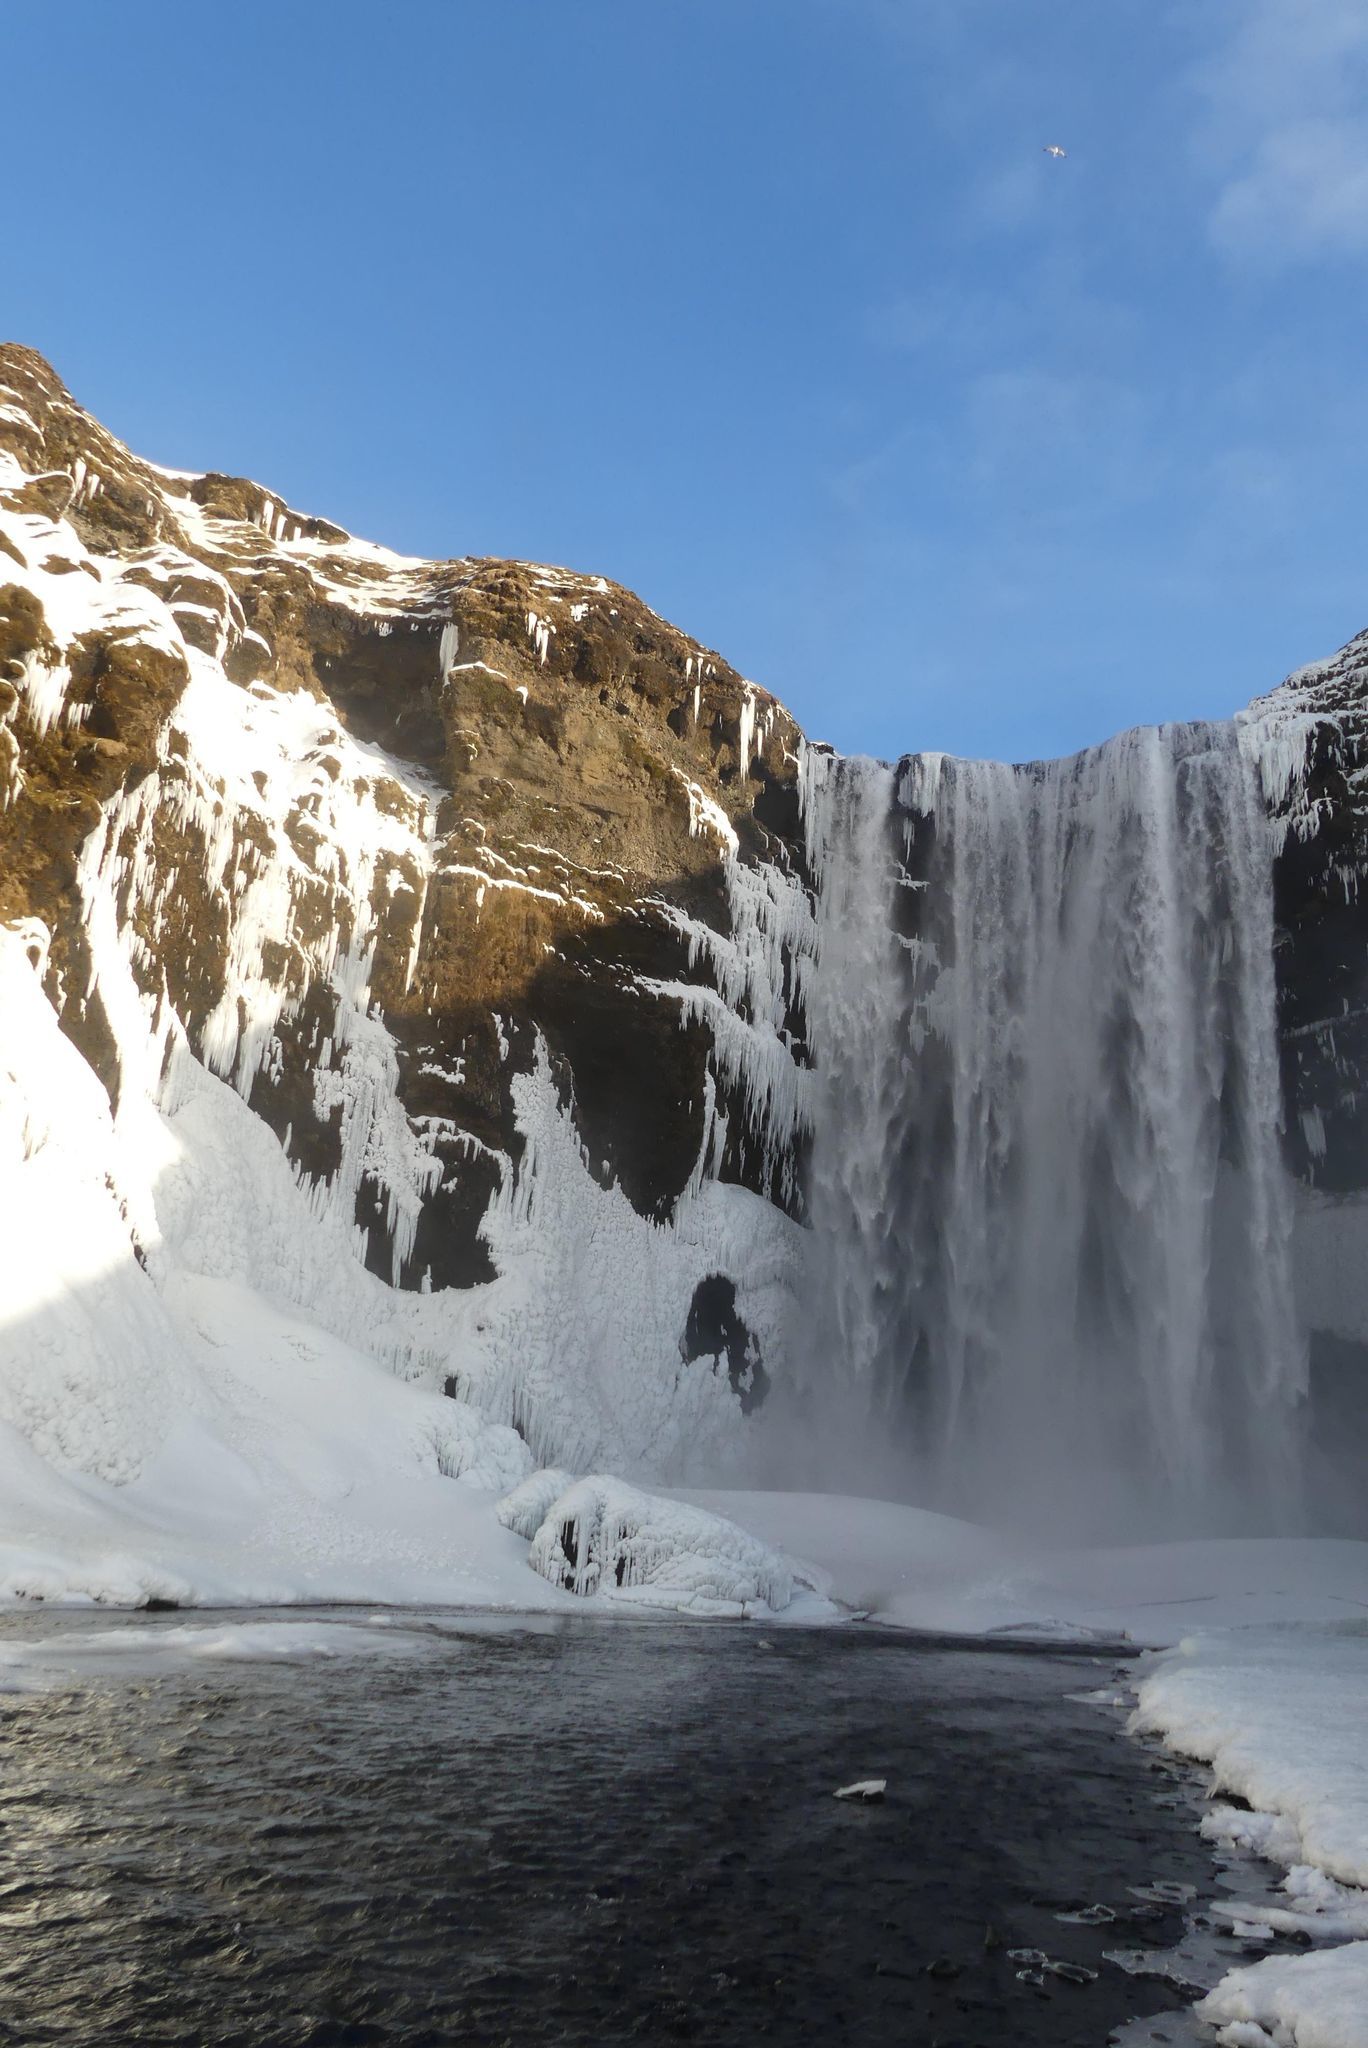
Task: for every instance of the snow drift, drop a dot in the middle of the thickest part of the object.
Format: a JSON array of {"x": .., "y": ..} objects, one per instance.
[{"x": 1280, "y": 1715}]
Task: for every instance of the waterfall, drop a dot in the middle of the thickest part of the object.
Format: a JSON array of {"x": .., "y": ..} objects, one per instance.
[{"x": 1050, "y": 1224}]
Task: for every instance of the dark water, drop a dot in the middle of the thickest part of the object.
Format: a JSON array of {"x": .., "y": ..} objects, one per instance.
[{"x": 586, "y": 1834}]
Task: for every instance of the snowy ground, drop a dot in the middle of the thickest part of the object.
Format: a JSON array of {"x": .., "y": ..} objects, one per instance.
[
  {"x": 913, "y": 1569},
  {"x": 1281, "y": 1715}
]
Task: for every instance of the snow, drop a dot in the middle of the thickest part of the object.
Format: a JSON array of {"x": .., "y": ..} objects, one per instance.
[
  {"x": 539, "y": 632},
  {"x": 1279, "y": 732},
  {"x": 706, "y": 814},
  {"x": 280, "y": 811},
  {"x": 759, "y": 977},
  {"x": 528, "y": 1504},
  {"x": 72, "y": 604},
  {"x": 910, "y": 1568},
  {"x": 1310, "y": 2001},
  {"x": 169, "y": 1431},
  {"x": 280, "y": 817},
  {"x": 205, "y": 1397},
  {"x": 30, "y": 1664},
  {"x": 1281, "y": 1716},
  {"x": 581, "y": 1330},
  {"x": 601, "y": 1536}
]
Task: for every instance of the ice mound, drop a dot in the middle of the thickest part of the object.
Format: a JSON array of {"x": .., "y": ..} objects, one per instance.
[
  {"x": 484, "y": 1454},
  {"x": 601, "y": 1536},
  {"x": 528, "y": 1505}
]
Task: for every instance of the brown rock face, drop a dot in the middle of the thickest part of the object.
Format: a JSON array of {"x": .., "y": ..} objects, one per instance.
[{"x": 584, "y": 768}]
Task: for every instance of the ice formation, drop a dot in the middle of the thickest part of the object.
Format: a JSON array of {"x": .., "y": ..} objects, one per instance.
[
  {"x": 601, "y": 1536},
  {"x": 525, "y": 1507}
]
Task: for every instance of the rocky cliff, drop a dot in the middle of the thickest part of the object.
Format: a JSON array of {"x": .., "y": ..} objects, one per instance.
[
  {"x": 582, "y": 771},
  {"x": 424, "y": 859},
  {"x": 1311, "y": 737},
  {"x": 440, "y": 934}
]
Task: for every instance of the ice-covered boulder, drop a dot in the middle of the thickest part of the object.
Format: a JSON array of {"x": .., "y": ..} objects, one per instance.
[
  {"x": 600, "y": 1535},
  {"x": 527, "y": 1506},
  {"x": 485, "y": 1454}
]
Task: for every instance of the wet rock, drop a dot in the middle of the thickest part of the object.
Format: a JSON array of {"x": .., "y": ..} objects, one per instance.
[{"x": 715, "y": 1330}]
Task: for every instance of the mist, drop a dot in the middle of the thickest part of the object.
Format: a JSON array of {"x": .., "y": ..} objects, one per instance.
[{"x": 1050, "y": 1282}]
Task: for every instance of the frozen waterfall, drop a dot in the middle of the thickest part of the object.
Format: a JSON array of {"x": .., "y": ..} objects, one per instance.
[{"x": 1050, "y": 1226}]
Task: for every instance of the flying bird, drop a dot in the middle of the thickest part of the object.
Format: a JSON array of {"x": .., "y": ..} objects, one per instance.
[{"x": 1055, "y": 149}]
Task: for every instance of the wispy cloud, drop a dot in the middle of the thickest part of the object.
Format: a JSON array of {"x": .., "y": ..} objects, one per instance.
[
  {"x": 961, "y": 318},
  {"x": 1285, "y": 129},
  {"x": 1045, "y": 310},
  {"x": 1065, "y": 442}
]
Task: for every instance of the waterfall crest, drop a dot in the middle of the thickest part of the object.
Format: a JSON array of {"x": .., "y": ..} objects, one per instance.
[{"x": 1051, "y": 1227}]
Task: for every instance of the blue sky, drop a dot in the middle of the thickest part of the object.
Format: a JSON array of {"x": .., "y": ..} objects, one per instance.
[{"x": 773, "y": 309}]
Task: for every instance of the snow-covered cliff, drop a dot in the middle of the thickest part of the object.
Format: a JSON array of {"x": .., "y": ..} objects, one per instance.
[
  {"x": 411, "y": 975},
  {"x": 422, "y": 940}
]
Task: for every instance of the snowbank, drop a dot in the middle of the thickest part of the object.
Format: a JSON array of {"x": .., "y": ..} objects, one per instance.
[
  {"x": 909, "y": 1568},
  {"x": 1281, "y": 1715},
  {"x": 169, "y": 1431},
  {"x": 602, "y": 1536},
  {"x": 1314, "y": 2001},
  {"x": 206, "y": 1398}
]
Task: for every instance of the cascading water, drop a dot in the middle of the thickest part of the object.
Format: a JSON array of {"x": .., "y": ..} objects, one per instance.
[{"x": 1050, "y": 1226}]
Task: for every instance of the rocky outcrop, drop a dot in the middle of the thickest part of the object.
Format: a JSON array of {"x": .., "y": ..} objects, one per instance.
[
  {"x": 585, "y": 775},
  {"x": 1311, "y": 738}
]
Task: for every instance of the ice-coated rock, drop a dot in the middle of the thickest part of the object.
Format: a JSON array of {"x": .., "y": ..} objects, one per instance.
[
  {"x": 525, "y": 1508},
  {"x": 602, "y": 1536},
  {"x": 863, "y": 1788}
]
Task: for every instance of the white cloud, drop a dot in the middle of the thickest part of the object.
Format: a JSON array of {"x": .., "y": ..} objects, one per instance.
[
  {"x": 1305, "y": 193},
  {"x": 1286, "y": 129}
]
